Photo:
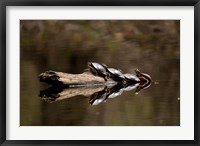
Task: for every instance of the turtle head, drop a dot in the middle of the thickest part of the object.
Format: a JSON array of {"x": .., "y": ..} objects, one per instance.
[
  {"x": 138, "y": 73},
  {"x": 90, "y": 65},
  {"x": 91, "y": 68}
]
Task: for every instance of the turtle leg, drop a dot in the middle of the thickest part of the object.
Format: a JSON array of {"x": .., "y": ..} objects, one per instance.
[{"x": 94, "y": 72}]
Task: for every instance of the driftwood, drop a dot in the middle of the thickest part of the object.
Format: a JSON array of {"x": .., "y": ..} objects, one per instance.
[{"x": 66, "y": 79}]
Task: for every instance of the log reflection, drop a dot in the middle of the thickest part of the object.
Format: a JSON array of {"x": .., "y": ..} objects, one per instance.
[{"x": 95, "y": 94}]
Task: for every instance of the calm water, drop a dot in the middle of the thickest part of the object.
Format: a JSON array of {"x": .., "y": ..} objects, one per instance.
[{"x": 67, "y": 46}]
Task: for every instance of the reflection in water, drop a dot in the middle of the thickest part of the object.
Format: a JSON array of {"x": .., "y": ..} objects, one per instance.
[
  {"x": 106, "y": 93},
  {"x": 96, "y": 94}
]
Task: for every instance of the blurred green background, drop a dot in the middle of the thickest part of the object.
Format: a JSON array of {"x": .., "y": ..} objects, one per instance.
[{"x": 153, "y": 46}]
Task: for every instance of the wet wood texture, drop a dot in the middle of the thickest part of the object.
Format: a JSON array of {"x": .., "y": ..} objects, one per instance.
[{"x": 60, "y": 78}]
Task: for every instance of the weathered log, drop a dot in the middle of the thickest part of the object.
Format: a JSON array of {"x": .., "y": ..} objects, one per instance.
[{"x": 72, "y": 80}]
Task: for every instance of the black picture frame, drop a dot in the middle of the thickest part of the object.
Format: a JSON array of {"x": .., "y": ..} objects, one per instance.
[{"x": 5, "y": 3}]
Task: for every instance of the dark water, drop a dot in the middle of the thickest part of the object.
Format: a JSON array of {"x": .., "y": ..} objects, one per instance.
[{"x": 67, "y": 46}]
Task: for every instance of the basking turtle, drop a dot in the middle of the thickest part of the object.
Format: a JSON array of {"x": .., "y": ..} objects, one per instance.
[
  {"x": 115, "y": 74},
  {"x": 143, "y": 76},
  {"x": 145, "y": 80},
  {"x": 98, "y": 70},
  {"x": 130, "y": 78}
]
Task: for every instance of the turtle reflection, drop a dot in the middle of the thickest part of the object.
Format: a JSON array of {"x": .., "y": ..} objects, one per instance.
[{"x": 112, "y": 92}]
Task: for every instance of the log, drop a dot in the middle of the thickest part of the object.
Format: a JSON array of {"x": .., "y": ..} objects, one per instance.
[{"x": 72, "y": 80}]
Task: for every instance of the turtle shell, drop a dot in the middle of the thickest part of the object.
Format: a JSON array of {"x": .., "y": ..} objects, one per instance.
[
  {"x": 97, "y": 69},
  {"x": 115, "y": 74},
  {"x": 146, "y": 76},
  {"x": 131, "y": 78}
]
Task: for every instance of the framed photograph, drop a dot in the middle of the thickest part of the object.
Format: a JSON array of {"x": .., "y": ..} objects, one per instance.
[{"x": 103, "y": 72}]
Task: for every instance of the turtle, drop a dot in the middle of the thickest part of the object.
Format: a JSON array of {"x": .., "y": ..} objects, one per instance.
[
  {"x": 143, "y": 76},
  {"x": 145, "y": 80},
  {"x": 98, "y": 70},
  {"x": 115, "y": 74},
  {"x": 130, "y": 78}
]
